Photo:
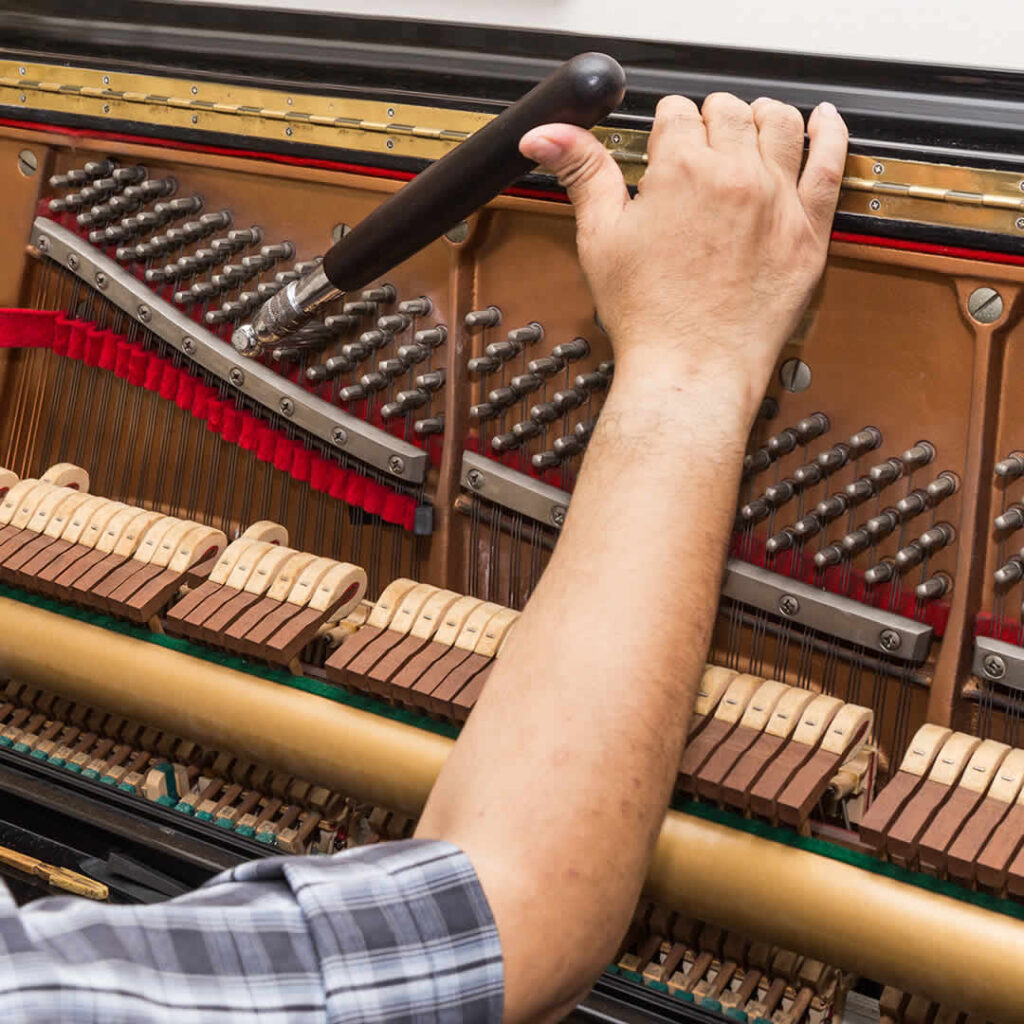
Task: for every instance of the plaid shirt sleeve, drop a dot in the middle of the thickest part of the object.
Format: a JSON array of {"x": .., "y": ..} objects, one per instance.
[{"x": 397, "y": 932}]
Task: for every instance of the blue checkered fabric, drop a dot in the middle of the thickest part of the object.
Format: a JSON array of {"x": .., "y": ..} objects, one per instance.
[{"x": 394, "y": 932}]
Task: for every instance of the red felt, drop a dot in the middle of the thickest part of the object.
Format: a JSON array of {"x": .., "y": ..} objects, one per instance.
[{"x": 27, "y": 328}]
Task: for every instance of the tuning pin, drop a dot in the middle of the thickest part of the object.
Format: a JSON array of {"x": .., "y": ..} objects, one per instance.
[
  {"x": 489, "y": 317},
  {"x": 937, "y": 537},
  {"x": 1010, "y": 519},
  {"x": 584, "y": 430},
  {"x": 544, "y": 412},
  {"x": 412, "y": 355},
  {"x": 755, "y": 511},
  {"x": 829, "y": 556},
  {"x": 934, "y": 588},
  {"x": 527, "y": 430},
  {"x": 254, "y": 264},
  {"x": 912, "y": 504},
  {"x": 526, "y": 383},
  {"x": 909, "y": 556},
  {"x": 482, "y": 412},
  {"x": 502, "y": 398},
  {"x": 431, "y": 382},
  {"x": 278, "y": 253},
  {"x": 528, "y": 335},
  {"x": 832, "y": 507},
  {"x": 812, "y": 427},
  {"x": 885, "y": 473},
  {"x": 833, "y": 459},
  {"x": 546, "y": 460},
  {"x": 340, "y": 323},
  {"x": 404, "y": 403},
  {"x": 591, "y": 383},
  {"x": 336, "y": 366},
  {"x": 546, "y": 366},
  {"x": 432, "y": 336},
  {"x": 778, "y": 494},
  {"x": 567, "y": 400},
  {"x": 756, "y": 461},
  {"x": 504, "y": 443},
  {"x": 358, "y": 308},
  {"x": 128, "y": 175},
  {"x": 920, "y": 455},
  {"x": 864, "y": 441},
  {"x": 374, "y": 381},
  {"x": 267, "y": 289},
  {"x": 431, "y": 425},
  {"x": 376, "y": 338},
  {"x": 351, "y": 393},
  {"x": 855, "y": 542},
  {"x": 394, "y": 323},
  {"x": 882, "y": 572},
  {"x": 381, "y": 295},
  {"x": 572, "y": 351},
  {"x": 606, "y": 368},
  {"x": 807, "y": 527},
  {"x": 568, "y": 446},
  {"x": 781, "y": 444},
  {"x": 503, "y": 351},
  {"x": 357, "y": 351},
  {"x": 1011, "y": 467},
  {"x": 879, "y": 527},
  {"x": 288, "y": 353},
  {"x": 416, "y": 307},
  {"x": 1011, "y": 572},
  {"x": 782, "y": 541},
  {"x": 807, "y": 475},
  {"x": 944, "y": 486},
  {"x": 392, "y": 368}
]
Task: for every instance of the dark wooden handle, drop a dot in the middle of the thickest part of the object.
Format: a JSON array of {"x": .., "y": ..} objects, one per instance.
[{"x": 582, "y": 91}]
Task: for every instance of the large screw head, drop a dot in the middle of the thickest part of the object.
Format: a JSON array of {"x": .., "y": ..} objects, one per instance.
[
  {"x": 475, "y": 479},
  {"x": 73, "y": 261},
  {"x": 188, "y": 346},
  {"x": 788, "y": 605},
  {"x": 339, "y": 435},
  {"x": 985, "y": 305},
  {"x": 144, "y": 313},
  {"x": 396, "y": 464},
  {"x": 236, "y": 377},
  {"x": 287, "y": 407},
  {"x": 889, "y": 640},
  {"x": 558, "y": 515},
  {"x": 101, "y": 280},
  {"x": 994, "y": 666}
]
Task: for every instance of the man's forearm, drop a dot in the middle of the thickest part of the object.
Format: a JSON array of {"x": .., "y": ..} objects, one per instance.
[{"x": 589, "y": 703}]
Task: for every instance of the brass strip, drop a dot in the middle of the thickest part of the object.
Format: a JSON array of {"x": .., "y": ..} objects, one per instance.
[{"x": 887, "y": 189}]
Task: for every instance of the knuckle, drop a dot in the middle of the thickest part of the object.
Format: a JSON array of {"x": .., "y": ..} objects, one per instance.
[
  {"x": 727, "y": 106},
  {"x": 828, "y": 178},
  {"x": 675, "y": 106}
]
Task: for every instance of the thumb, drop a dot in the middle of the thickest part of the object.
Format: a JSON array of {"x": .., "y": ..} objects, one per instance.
[{"x": 585, "y": 169}]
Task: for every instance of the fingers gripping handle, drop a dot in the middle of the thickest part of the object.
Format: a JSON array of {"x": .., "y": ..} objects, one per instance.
[{"x": 582, "y": 92}]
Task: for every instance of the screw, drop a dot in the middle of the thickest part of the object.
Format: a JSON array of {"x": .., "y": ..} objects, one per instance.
[
  {"x": 1019, "y": 222},
  {"x": 875, "y": 204},
  {"x": 73, "y": 261},
  {"x": 42, "y": 243},
  {"x": 995, "y": 667},
  {"x": 475, "y": 479},
  {"x": 195, "y": 89},
  {"x": 144, "y": 313},
  {"x": 390, "y": 143},
  {"x": 985, "y": 305},
  {"x": 22, "y": 97},
  {"x": 889, "y": 640},
  {"x": 101, "y": 280},
  {"x": 28, "y": 163},
  {"x": 195, "y": 119},
  {"x": 1020, "y": 185},
  {"x": 287, "y": 407},
  {"x": 288, "y": 130},
  {"x": 615, "y": 139},
  {"x": 106, "y": 108},
  {"x": 789, "y": 605},
  {"x": 558, "y": 515},
  {"x": 391, "y": 111},
  {"x": 396, "y": 464},
  {"x": 236, "y": 377},
  {"x": 289, "y": 101},
  {"x": 878, "y": 168},
  {"x": 339, "y": 436},
  {"x": 795, "y": 375},
  {"x": 21, "y": 71},
  {"x": 106, "y": 79},
  {"x": 188, "y": 346},
  {"x": 459, "y": 233}
]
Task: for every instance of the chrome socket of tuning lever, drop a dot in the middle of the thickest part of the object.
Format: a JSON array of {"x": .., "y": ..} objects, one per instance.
[{"x": 284, "y": 313}]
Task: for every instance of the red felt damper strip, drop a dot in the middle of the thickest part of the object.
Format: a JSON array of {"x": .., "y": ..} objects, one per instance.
[{"x": 27, "y": 328}]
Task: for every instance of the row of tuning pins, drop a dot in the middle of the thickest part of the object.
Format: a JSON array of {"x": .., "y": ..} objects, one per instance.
[
  {"x": 401, "y": 376},
  {"x": 143, "y": 221},
  {"x": 511, "y": 419},
  {"x": 1008, "y": 521},
  {"x": 841, "y": 503}
]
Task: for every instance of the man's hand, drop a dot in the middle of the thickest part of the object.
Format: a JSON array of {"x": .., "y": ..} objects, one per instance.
[
  {"x": 708, "y": 269},
  {"x": 559, "y": 782}
]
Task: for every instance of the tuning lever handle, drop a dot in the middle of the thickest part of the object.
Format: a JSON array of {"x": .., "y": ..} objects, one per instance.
[{"x": 582, "y": 91}]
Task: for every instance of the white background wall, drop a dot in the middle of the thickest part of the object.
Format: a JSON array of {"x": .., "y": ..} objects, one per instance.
[{"x": 977, "y": 33}]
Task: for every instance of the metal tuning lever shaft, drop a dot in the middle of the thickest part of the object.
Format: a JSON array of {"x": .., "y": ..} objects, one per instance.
[{"x": 582, "y": 91}]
